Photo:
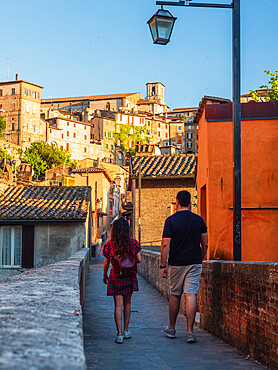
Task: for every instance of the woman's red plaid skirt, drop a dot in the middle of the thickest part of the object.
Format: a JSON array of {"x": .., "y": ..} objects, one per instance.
[{"x": 121, "y": 285}]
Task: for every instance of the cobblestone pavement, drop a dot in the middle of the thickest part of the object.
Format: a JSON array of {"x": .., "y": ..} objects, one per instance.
[{"x": 148, "y": 348}]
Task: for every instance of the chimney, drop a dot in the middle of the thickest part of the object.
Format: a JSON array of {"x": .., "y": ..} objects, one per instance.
[{"x": 16, "y": 77}]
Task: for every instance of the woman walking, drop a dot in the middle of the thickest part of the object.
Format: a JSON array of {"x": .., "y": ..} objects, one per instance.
[{"x": 124, "y": 254}]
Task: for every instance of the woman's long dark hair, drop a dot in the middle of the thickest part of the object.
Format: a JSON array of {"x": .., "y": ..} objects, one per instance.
[{"x": 120, "y": 236}]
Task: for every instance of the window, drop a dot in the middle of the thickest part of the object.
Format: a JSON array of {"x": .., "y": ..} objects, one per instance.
[
  {"x": 158, "y": 133},
  {"x": 189, "y": 127},
  {"x": 74, "y": 135},
  {"x": 29, "y": 139},
  {"x": 85, "y": 127},
  {"x": 189, "y": 135},
  {"x": 13, "y": 91},
  {"x": 34, "y": 128},
  {"x": 85, "y": 137},
  {"x": 27, "y": 92},
  {"x": 12, "y": 126},
  {"x": 189, "y": 145},
  {"x": 11, "y": 246},
  {"x": 50, "y": 130},
  {"x": 35, "y": 95},
  {"x": 85, "y": 150},
  {"x": 153, "y": 90},
  {"x": 112, "y": 147},
  {"x": 166, "y": 135},
  {"x": 158, "y": 124},
  {"x": 1, "y": 92},
  {"x": 179, "y": 128},
  {"x": 107, "y": 106},
  {"x": 68, "y": 134},
  {"x": 67, "y": 147},
  {"x": 62, "y": 136},
  {"x": 106, "y": 146},
  {"x": 74, "y": 125}
]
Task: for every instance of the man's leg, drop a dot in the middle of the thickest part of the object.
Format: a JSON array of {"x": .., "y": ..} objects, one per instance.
[
  {"x": 174, "y": 307},
  {"x": 191, "y": 308}
]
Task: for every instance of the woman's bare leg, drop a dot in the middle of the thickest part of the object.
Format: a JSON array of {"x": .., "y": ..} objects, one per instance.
[
  {"x": 118, "y": 313},
  {"x": 127, "y": 310}
]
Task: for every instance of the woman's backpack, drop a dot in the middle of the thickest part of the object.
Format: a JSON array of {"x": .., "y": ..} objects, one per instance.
[{"x": 126, "y": 265}]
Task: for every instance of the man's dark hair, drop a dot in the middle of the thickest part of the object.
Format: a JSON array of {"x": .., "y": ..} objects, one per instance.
[{"x": 184, "y": 198}]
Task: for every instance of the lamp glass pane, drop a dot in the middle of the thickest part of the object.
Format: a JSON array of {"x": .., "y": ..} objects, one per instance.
[
  {"x": 153, "y": 28},
  {"x": 164, "y": 27}
]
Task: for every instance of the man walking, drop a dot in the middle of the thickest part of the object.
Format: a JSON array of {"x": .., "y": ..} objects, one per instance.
[{"x": 185, "y": 238}]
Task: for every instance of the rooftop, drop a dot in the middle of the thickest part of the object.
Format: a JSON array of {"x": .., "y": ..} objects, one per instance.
[
  {"x": 45, "y": 203},
  {"x": 92, "y": 170},
  {"x": 161, "y": 166},
  {"x": 89, "y": 97},
  {"x": 19, "y": 81}
]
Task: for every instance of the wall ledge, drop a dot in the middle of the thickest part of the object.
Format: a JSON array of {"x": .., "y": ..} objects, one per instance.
[{"x": 41, "y": 316}]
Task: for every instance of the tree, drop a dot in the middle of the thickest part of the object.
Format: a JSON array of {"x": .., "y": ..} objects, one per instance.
[
  {"x": 2, "y": 125},
  {"x": 43, "y": 156},
  {"x": 272, "y": 89},
  {"x": 128, "y": 135}
]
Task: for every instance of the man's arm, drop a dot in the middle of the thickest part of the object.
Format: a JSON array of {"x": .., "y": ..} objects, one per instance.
[
  {"x": 165, "y": 245},
  {"x": 105, "y": 269},
  {"x": 204, "y": 243}
]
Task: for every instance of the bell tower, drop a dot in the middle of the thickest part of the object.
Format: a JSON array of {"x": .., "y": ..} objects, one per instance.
[{"x": 155, "y": 92}]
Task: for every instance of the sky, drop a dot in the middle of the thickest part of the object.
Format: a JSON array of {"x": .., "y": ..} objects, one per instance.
[{"x": 89, "y": 47}]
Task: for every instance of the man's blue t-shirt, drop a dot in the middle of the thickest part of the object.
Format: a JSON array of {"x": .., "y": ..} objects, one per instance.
[{"x": 185, "y": 229}]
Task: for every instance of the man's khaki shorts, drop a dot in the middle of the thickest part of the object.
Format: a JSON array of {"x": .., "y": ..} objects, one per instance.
[{"x": 185, "y": 279}]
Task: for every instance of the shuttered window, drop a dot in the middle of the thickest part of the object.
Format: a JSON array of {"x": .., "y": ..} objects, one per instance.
[{"x": 11, "y": 246}]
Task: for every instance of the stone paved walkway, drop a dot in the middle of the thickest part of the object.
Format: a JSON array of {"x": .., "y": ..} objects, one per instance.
[{"x": 148, "y": 348}]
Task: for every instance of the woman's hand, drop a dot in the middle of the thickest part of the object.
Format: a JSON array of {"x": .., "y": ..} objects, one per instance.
[{"x": 105, "y": 279}]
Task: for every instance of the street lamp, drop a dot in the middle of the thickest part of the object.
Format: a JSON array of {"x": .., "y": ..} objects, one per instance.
[{"x": 161, "y": 27}]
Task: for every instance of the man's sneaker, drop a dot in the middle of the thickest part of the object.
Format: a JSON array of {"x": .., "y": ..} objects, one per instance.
[
  {"x": 119, "y": 338},
  {"x": 127, "y": 334},
  {"x": 190, "y": 338},
  {"x": 170, "y": 333}
]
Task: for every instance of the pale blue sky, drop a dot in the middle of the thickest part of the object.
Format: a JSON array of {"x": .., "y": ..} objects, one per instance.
[{"x": 90, "y": 47}]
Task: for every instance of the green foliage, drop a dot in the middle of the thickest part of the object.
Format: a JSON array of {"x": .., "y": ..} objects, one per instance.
[
  {"x": 43, "y": 156},
  {"x": 2, "y": 126},
  {"x": 272, "y": 89},
  {"x": 2, "y": 154},
  {"x": 127, "y": 133}
]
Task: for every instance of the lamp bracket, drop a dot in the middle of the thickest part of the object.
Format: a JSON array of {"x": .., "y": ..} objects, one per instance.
[{"x": 199, "y": 5}]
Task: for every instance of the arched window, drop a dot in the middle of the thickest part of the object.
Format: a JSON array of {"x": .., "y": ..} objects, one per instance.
[
  {"x": 153, "y": 90},
  {"x": 107, "y": 106}
]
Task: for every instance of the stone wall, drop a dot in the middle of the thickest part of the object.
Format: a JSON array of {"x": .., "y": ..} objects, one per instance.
[
  {"x": 238, "y": 303},
  {"x": 57, "y": 241},
  {"x": 41, "y": 316}
]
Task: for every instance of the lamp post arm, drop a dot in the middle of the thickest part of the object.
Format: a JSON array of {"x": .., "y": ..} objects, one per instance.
[{"x": 198, "y": 5}]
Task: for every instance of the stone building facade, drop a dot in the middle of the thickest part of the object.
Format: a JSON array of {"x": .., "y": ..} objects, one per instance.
[
  {"x": 162, "y": 178},
  {"x": 20, "y": 107},
  {"x": 42, "y": 224},
  {"x": 75, "y": 137}
]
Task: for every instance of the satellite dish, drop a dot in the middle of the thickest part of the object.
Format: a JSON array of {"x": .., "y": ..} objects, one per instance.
[{"x": 16, "y": 162}]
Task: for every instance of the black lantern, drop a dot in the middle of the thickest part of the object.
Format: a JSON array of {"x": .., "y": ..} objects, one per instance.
[{"x": 161, "y": 25}]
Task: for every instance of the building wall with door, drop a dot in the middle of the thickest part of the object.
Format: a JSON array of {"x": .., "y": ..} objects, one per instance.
[{"x": 259, "y": 137}]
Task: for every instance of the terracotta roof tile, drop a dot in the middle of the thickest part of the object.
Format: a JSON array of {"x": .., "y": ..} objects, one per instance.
[
  {"x": 164, "y": 165},
  {"x": 45, "y": 203}
]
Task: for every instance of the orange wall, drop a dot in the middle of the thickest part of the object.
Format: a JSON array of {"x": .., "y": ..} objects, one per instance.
[{"x": 259, "y": 187}]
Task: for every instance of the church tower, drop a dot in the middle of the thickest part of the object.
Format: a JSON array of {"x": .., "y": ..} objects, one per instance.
[{"x": 155, "y": 92}]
